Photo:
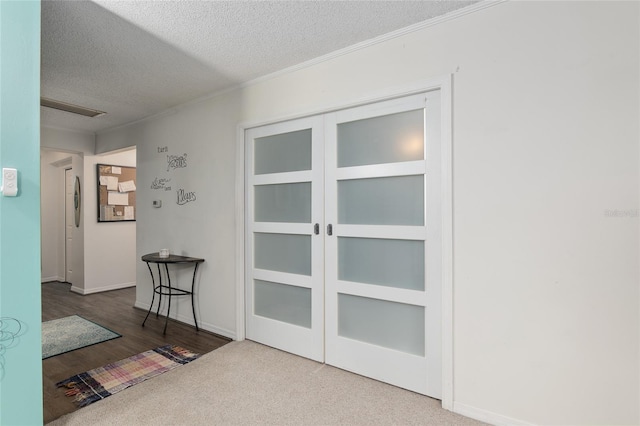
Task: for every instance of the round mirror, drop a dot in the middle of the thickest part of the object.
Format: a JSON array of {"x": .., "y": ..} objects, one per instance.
[{"x": 77, "y": 201}]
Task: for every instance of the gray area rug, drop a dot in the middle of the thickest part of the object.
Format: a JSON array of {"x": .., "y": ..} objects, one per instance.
[
  {"x": 71, "y": 333},
  {"x": 245, "y": 383}
]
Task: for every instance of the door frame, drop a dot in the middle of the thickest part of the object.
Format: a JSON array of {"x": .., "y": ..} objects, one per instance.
[
  {"x": 66, "y": 237},
  {"x": 444, "y": 84}
]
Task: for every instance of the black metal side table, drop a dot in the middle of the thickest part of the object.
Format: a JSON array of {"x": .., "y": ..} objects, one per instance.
[{"x": 165, "y": 289}]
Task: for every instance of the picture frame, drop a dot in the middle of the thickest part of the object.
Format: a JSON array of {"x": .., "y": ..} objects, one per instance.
[{"x": 116, "y": 193}]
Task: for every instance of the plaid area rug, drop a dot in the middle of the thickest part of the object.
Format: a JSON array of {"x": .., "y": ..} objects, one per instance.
[{"x": 99, "y": 383}]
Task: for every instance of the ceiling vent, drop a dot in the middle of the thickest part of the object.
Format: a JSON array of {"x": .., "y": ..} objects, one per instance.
[{"x": 74, "y": 109}]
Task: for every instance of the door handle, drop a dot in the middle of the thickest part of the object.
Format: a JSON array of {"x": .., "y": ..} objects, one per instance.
[
  {"x": 329, "y": 229},
  {"x": 316, "y": 228}
]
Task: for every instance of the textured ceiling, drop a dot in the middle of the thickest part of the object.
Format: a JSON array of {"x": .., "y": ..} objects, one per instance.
[{"x": 134, "y": 59}]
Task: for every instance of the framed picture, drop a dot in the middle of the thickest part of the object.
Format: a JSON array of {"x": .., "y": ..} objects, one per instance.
[{"x": 116, "y": 193}]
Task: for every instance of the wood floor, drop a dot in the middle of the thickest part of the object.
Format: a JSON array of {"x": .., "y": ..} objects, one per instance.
[{"x": 113, "y": 310}]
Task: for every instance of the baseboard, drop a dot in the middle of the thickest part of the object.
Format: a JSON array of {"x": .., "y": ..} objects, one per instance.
[
  {"x": 487, "y": 416},
  {"x": 50, "y": 279},
  {"x": 188, "y": 319},
  {"x": 102, "y": 289},
  {"x": 77, "y": 289}
]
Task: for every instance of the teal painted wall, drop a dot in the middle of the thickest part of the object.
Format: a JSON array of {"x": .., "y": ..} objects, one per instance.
[{"x": 21, "y": 358}]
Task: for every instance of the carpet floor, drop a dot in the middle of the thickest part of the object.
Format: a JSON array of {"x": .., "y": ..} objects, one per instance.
[{"x": 245, "y": 383}]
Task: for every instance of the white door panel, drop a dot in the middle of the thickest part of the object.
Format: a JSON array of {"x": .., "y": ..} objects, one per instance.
[
  {"x": 378, "y": 279},
  {"x": 285, "y": 266},
  {"x": 410, "y": 376}
]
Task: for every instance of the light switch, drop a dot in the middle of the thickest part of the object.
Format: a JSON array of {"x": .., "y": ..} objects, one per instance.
[
  {"x": 9, "y": 182},
  {"x": 157, "y": 203}
]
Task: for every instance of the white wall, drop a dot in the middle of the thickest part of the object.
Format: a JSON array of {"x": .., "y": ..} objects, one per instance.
[
  {"x": 109, "y": 247},
  {"x": 201, "y": 228},
  {"x": 545, "y": 185},
  {"x": 67, "y": 141},
  {"x": 77, "y": 245}
]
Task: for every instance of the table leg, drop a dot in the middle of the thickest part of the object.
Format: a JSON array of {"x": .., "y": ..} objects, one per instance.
[
  {"x": 193, "y": 305},
  {"x": 166, "y": 320},
  {"x": 153, "y": 295},
  {"x": 159, "y": 289}
]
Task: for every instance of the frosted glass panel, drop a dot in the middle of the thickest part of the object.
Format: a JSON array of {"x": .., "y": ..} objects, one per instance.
[
  {"x": 283, "y": 253},
  {"x": 286, "y": 152},
  {"x": 283, "y": 302},
  {"x": 387, "y": 139},
  {"x": 289, "y": 202},
  {"x": 379, "y": 322},
  {"x": 391, "y": 263},
  {"x": 382, "y": 201}
]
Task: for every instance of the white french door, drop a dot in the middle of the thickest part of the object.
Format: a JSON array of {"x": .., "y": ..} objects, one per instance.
[
  {"x": 368, "y": 298},
  {"x": 285, "y": 270},
  {"x": 382, "y": 274}
]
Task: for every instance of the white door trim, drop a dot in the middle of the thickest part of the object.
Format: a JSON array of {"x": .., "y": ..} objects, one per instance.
[{"x": 444, "y": 84}]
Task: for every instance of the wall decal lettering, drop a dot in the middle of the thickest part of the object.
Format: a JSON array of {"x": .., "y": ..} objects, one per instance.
[
  {"x": 176, "y": 161},
  {"x": 161, "y": 183},
  {"x": 185, "y": 197}
]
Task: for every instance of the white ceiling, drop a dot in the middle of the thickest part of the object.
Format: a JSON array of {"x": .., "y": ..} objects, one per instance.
[{"x": 134, "y": 59}]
